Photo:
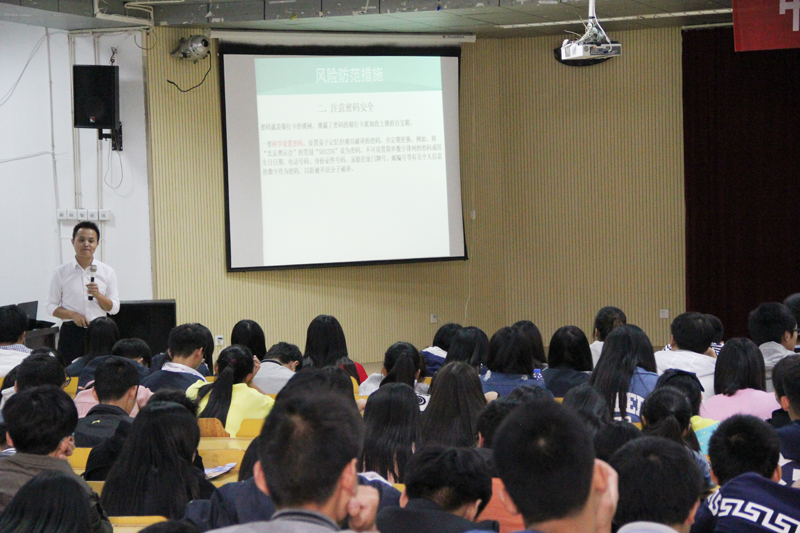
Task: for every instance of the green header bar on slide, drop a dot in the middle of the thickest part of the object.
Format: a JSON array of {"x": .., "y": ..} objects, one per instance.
[{"x": 341, "y": 75}]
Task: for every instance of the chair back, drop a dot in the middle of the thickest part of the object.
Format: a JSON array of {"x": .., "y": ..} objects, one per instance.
[
  {"x": 212, "y": 427},
  {"x": 495, "y": 510},
  {"x": 79, "y": 457},
  {"x": 251, "y": 427}
]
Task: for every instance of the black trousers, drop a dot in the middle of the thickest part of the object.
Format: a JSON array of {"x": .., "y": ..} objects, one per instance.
[{"x": 71, "y": 341}]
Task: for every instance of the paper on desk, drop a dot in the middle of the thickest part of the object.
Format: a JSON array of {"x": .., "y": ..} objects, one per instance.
[{"x": 217, "y": 471}]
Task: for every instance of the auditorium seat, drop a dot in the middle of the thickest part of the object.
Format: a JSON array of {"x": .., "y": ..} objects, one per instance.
[
  {"x": 97, "y": 486},
  {"x": 212, "y": 427},
  {"x": 496, "y": 511},
  {"x": 78, "y": 458},
  {"x": 72, "y": 387},
  {"x": 133, "y": 524},
  {"x": 221, "y": 443}
]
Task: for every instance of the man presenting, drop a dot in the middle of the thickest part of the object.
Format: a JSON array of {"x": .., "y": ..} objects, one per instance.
[{"x": 81, "y": 290}]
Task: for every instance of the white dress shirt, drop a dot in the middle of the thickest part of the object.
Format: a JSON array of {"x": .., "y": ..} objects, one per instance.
[
  {"x": 597, "y": 349},
  {"x": 68, "y": 289}
]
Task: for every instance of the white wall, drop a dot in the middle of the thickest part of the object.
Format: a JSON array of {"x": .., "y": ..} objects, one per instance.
[{"x": 32, "y": 241}]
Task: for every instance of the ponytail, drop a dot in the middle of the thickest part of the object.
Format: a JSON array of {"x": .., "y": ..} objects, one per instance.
[
  {"x": 667, "y": 413},
  {"x": 402, "y": 362},
  {"x": 235, "y": 363},
  {"x": 668, "y": 427}
]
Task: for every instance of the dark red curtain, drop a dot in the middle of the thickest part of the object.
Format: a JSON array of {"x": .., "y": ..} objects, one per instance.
[{"x": 741, "y": 117}]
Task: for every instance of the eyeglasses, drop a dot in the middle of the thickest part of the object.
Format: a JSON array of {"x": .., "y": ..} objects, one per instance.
[{"x": 66, "y": 383}]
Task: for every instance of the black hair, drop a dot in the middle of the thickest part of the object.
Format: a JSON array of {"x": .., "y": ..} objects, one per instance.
[
  {"x": 719, "y": 329},
  {"x": 249, "y": 460},
  {"x": 133, "y": 349},
  {"x": 607, "y": 319},
  {"x": 285, "y": 353},
  {"x": 101, "y": 335},
  {"x": 469, "y": 345},
  {"x": 154, "y": 474},
  {"x": 740, "y": 365},
  {"x": 444, "y": 335},
  {"x": 686, "y": 382},
  {"x": 307, "y": 440},
  {"x": 114, "y": 377},
  {"x": 235, "y": 363},
  {"x": 327, "y": 346},
  {"x": 249, "y": 333},
  {"x": 450, "y": 477},
  {"x": 401, "y": 362},
  {"x": 86, "y": 225},
  {"x": 39, "y": 369},
  {"x": 392, "y": 431},
  {"x": 535, "y": 339},
  {"x": 769, "y": 321},
  {"x": 493, "y": 415},
  {"x": 315, "y": 380},
  {"x": 172, "y": 526},
  {"x": 793, "y": 303},
  {"x": 452, "y": 414},
  {"x": 611, "y": 437},
  {"x": 569, "y": 348},
  {"x": 39, "y": 418},
  {"x": 510, "y": 352},
  {"x": 791, "y": 386},
  {"x": 590, "y": 405},
  {"x": 626, "y": 348},
  {"x": 659, "y": 481},
  {"x": 531, "y": 393},
  {"x": 692, "y": 331},
  {"x": 779, "y": 369},
  {"x": 66, "y": 509},
  {"x": 185, "y": 339},
  {"x": 741, "y": 444},
  {"x": 13, "y": 323},
  {"x": 51, "y": 352},
  {"x": 666, "y": 412},
  {"x": 545, "y": 458},
  {"x": 174, "y": 396}
]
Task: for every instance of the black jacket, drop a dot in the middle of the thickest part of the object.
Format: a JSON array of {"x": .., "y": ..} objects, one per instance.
[
  {"x": 99, "y": 425},
  {"x": 425, "y": 516}
]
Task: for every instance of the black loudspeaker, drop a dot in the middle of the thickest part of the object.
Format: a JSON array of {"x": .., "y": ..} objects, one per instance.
[
  {"x": 95, "y": 94},
  {"x": 149, "y": 320}
]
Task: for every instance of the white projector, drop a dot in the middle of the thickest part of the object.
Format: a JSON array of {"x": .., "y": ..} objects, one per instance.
[{"x": 579, "y": 50}]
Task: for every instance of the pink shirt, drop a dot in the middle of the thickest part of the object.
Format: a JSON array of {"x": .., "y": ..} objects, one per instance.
[
  {"x": 85, "y": 400},
  {"x": 746, "y": 402}
]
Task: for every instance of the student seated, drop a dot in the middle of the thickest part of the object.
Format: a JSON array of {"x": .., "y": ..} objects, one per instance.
[
  {"x": 446, "y": 490},
  {"x": 739, "y": 383},
  {"x": 134, "y": 349},
  {"x": 158, "y": 360},
  {"x": 590, "y": 405},
  {"x": 611, "y": 437},
  {"x": 780, "y": 417},
  {"x": 626, "y": 372},
  {"x": 186, "y": 344},
  {"x": 326, "y": 346},
  {"x": 659, "y": 486},
  {"x": 452, "y": 415},
  {"x": 391, "y": 419},
  {"x": 279, "y": 366},
  {"x": 774, "y": 329},
  {"x": 470, "y": 345},
  {"x": 511, "y": 362},
  {"x": 37, "y": 369},
  {"x": 154, "y": 474},
  {"x": 401, "y": 364},
  {"x": 692, "y": 334},
  {"x": 115, "y": 388},
  {"x": 248, "y": 333},
  {"x": 569, "y": 361},
  {"x": 101, "y": 334},
  {"x": 607, "y": 319},
  {"x": 790, "y": 434},
  {"x": 65, "y": 509},
  {"x": 436, "y": 354},
  {"x": 689, "y": 384},
  {"x": 231, "y": 398},
  {"x": 545, "y": 459},
  {"x": 13, "y": 323},
  {"x": 307, "y": 464},
  {"x": 40, "y": 423},
  {"x": 744, "y": 454}
]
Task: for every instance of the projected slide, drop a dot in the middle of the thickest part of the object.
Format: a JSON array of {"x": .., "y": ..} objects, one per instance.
[{"x": 355, "y": 162}]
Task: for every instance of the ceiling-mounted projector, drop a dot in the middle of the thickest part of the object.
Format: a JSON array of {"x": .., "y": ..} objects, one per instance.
[
  {"x": 194, "y": 48},
  {"x": 592, "y": 48}
]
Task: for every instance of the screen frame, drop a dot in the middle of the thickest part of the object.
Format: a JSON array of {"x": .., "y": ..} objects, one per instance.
[{"x": 449, "y": 50}]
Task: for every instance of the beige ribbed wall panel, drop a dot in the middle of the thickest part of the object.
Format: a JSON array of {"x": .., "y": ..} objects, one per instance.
[
  {"x": 377, "y": 305},
  {"x": 594, "y": 183},
  {"x": 575, "y": 177}
]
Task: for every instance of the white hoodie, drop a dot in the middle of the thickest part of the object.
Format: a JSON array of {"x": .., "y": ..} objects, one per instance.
[{"x": 702, "y": 365}]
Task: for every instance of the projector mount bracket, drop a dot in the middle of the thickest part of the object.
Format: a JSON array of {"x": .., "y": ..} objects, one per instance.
[{"x": 115, "y": 135}]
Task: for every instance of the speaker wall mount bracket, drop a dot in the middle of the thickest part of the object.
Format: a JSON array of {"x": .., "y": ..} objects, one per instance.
[{"x": 115, "y": 135}]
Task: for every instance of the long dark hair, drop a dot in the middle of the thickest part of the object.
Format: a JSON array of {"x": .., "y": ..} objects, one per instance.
[
  {"x": 470, "y": 345},
  {"x": 667, "y": 413},
  {"x": 326, "y": 346},
  {"x": 65, "y": 509},
  {"x": 511, "y": 352},
  {"x": 402, "y": 362},
  {"x": 451, "y": 418},
  {"x": 535, "y": 339},
  {"x": 153, "y": 474},
  {"x": 569, "y": 348},
  {"x": 101, "y": 335},
  {"x": 392, "y": 426},
  {"x": 590, "y": 404},
  {"x": 626, "y": 348},
  {"x": 740, "y": 365},
  {"x": 234, "y": 363},
  {"x": 249, "y": 333}
]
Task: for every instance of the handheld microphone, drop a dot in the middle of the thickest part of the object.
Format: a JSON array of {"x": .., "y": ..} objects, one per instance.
[{"x": 92, "y": 269}]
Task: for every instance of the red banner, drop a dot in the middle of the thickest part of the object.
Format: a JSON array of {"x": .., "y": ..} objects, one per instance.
[{"x": 766, "y": 24}]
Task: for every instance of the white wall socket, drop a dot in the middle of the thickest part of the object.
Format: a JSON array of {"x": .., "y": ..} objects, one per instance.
[
  {"x": 434, "y": 318},
  {"x": 663, "y": 313},
  {"x": 61, "y": 214},
  {"x": 91, "y": 214},
  {"x": 82, "y": 214},
  {"x": 219, "y": 340},
  {"x": 72, "y": 214},
  {"x": 104, "y": 214}
]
